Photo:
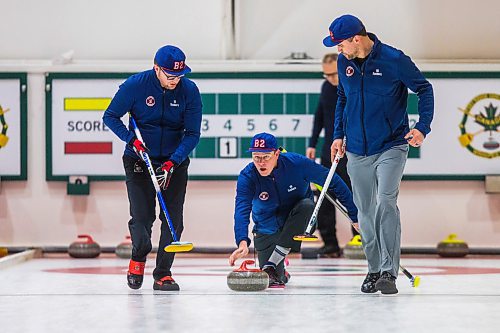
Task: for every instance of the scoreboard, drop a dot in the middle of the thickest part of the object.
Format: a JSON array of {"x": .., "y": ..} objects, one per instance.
[
  {"x": 234, "y": 109},
  {"x": 464, "y": 142}
]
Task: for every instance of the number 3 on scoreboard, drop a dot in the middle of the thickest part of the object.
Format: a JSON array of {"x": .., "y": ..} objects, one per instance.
[{"x": 204, "y": 125}]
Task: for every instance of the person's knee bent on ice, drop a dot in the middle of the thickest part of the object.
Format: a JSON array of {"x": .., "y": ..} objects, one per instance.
[{"x": 275, "y": 190}]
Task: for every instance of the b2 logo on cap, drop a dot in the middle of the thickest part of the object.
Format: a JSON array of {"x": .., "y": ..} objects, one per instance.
[
  {"x": 178, "y": 65},
  {"x": 259, "y": 143}
]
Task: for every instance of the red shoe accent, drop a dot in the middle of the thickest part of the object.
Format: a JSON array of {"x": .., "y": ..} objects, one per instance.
[
  {"x": 166, "y": 279},
  {"x": 166, "y": 283},
  {"x": 136, "y": 267},
  {"x": 277, "y": 286}
]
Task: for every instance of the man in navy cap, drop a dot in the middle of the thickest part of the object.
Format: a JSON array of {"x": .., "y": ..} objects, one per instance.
[
  {"x": 167, "y": 109},
  {"x": 374, "y": 79},
  {"x": 275, "y": 189}
]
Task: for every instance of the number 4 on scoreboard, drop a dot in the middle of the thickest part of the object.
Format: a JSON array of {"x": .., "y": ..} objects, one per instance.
[{"x": 228, "y": 147}]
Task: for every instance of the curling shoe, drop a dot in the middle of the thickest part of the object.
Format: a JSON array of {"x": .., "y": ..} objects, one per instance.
[
  {"x": 368, "y": 285},
  {"x": 286, "y": 274},
  {"x": 286, "y": 277},
  {"x": 274, "y": 280},
  {"x": 166, "y": 283},
  {"x": 135, "y": 274},
  {"x": 387, "y": 284}
]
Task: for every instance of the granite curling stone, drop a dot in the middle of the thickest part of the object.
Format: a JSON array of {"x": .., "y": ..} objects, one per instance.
[
  {"x": 124, "y": 249},
  {"x": 354, "y": 249},
  {"x": 247, "y": 279},
  {"x": 84, "y": 248},
  {"x": 452, "y": 247}
]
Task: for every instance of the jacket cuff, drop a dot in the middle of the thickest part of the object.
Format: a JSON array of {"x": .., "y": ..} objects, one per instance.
[
  {"x": 422, "y": 128},
  {"x": 244, "y": 239},
  {"x": 131, "y": 141}
]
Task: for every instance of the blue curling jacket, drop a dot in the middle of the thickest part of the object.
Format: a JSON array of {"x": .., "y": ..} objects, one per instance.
[
  {"x": 371, "y": 107},
  {"x": 270, "y": 199},
  {"x": 169, "y": 120}
]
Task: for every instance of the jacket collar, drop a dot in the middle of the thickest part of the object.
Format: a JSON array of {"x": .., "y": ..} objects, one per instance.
[
  {"x": 373, "y": 53},
  {"x": 155, "y": 80},
  {"x": 376, "y": 44}
]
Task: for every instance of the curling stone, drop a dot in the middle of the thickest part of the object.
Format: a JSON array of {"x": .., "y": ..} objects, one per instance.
[
  {"x": 354, "y": 249},
  {"x": 124, "y": 249},
  {"x": 452, "y": 247},
  {"x": 85, "y": 248},
  {"x": 3, "y": 252},
  {"x": 247, "y": 279},
  {"x": 309, "y": 253}
]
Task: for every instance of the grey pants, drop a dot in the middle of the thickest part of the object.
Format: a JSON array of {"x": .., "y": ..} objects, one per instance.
[{"x": 375, "y": 184}]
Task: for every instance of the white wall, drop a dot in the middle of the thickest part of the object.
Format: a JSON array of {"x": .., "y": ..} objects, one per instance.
[
  {"x": 424, "y": 29},
  {"x": 128, "y": 29},
  {"x": 110, "y": 29}
]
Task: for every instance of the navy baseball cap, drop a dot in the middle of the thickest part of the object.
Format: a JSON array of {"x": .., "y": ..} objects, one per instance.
[
  {"x": 342, "y": 28},
  {"x": 263, "y": 143},
  {"x": 172, "y": 60}
]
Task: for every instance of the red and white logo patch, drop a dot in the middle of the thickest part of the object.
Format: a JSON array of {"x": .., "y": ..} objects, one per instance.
[
  {"x": 150, "y": 101},
  {"x": 349, "y": 71},
  {"x": 264, "y": 196}
]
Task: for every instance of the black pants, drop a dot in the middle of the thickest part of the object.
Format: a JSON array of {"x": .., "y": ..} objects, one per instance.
[
  {"x": 295, "y": 224},
  {"x": 142, "y": 199},
  {"x": 326, "y": 216}
]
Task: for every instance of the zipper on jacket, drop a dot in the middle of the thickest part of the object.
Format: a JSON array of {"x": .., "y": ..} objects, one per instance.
[
  {"x": 279, "y": 198},
  {"x": 161, "y": 122},
  {"x": 363, "y": 105},
  {"x": 362, "y": 67},
  {"x": 276, "y": 188}
]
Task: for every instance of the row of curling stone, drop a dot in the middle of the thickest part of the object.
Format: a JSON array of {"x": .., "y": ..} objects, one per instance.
[
  {"x": 247, "y": 279},
  {"x": 352, "y": 250},
  {"x": 86, "y": 247},
  {"x": 452, "y": 247}
]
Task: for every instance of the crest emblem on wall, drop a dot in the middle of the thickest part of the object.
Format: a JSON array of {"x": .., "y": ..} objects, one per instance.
[
  {"x": 3, "y": 129},
  {"x": 479, "y": 127}
]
